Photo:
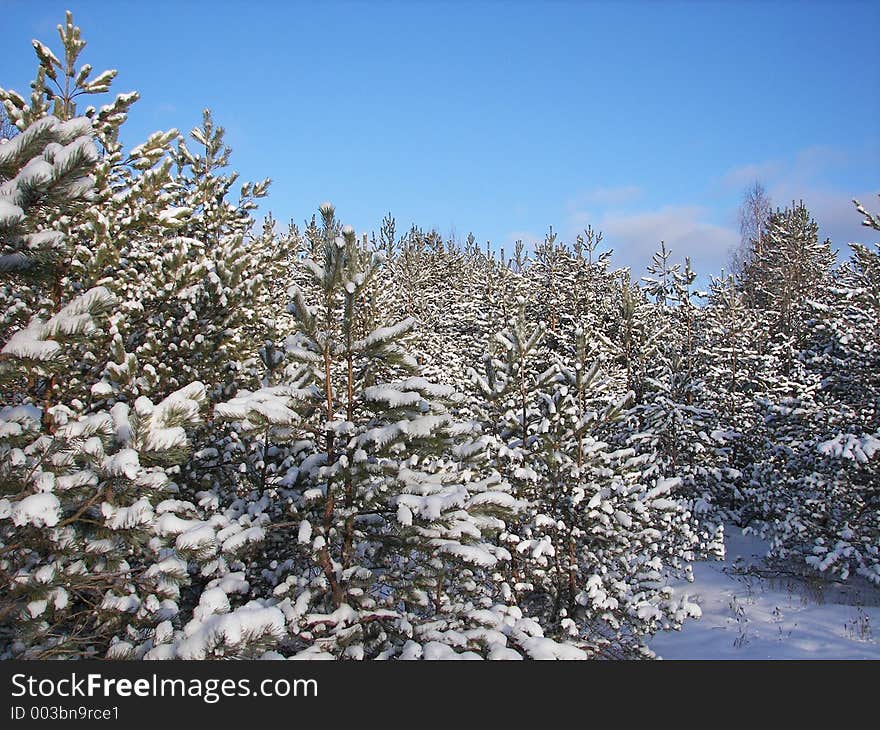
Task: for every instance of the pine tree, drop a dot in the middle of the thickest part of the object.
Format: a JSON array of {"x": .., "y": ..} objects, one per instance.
[
  {"x": 732, "y": 374},
  {"x": 125, "y": 200},
  {"x": 81, "y": 486},
  {"x": 195, "y": 316},
  {"x": 673, "y": 417},
  {"x": 97, "y": 553},
  {"x": 552, "y": 435},
  {"x": 829, "y": 508},
  {"x": 383, "y": 504}
]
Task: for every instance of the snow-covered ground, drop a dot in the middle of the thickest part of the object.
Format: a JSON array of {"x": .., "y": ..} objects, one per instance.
[{"x": 748, "y": 617}]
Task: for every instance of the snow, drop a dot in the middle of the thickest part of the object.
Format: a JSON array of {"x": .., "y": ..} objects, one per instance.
[
  {"x": 170, "y": 566},
  {"x": 36, "y": 174},
  {"x": 172, "y": 215},
  {"x": 195, "y": 538},
  {"x": 623, "y": 518},
  {"x": 393, "y": 397},
  {"x": 45, "y": 482},
  {"x": 381, "y": 335},
  {"x": 169, "y": 523},
  {"x": 10, "y": 214},
  {"x": 212, "y": 601},
  {"x": 426, "y": 387},
  {"x": 61, "y": 156},
  {"x": 849, "y": 446},
  {"x": 381, "y": 436},
  {"x": 121, "y": 425},
  {"x": 124, "y": 604},
  {"x": 240, "y": 539},
  {"x": 15, "y": 420},
  {"x": 423, "y": 426},
  {"x": 36, "y": 608},
  {"x": 164, "y": 632},
  {"x": 538, "y": 647},
  {"x": 73, "y": 128},
  {"x": 267, "y": 405},
  {"x": 102, "y": 389},
  {"x": 124, "y": 463},
  {"x": 229, "y": 629},
  {"x": 468, "y": 553},
  {"x": 165, "y": 439},
  {"x": 304, "y": 535},
  {"x": 60, "y": 598},
  {"x": 35, "y": 341},
  {"x": 76, "y": 317},
  {"x": 28, "y": 344},
  {"x": 404, "y": 515},
  {"x": 42, "y": 509},
  {"x": 231, "y": 583},
  {"x": 161, "y": 424},
  {"x": 119, "y": 650},
  {"x": 125, "y": 518},
  {"x": 503, "y": 653},
  {"x": 747, "y": 617},
  {"x": 664, "y": 486}
]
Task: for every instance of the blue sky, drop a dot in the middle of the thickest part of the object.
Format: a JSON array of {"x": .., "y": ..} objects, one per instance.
[{"x": 646, "y": 120}]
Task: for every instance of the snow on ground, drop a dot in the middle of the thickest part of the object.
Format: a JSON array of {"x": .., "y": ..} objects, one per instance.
[{"x": 751, "y": 617}]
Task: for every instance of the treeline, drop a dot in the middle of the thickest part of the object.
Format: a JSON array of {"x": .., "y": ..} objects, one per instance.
[{"x": 219, "y": 439}]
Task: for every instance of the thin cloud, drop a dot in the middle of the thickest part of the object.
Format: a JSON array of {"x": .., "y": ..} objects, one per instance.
[
  {"x": 806, "y": 166},
  {"x": 833, "y": 210},
  {"x": 606, "y": 197},
  {"x": 744, "y": 175},
  {"x": 813, "y": 162},
  {"x": 803, "y": 176},
  {"x": 708, "y": 235},
  {"x": 685, "y": 229}
]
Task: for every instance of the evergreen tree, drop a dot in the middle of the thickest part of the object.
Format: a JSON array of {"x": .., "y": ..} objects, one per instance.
[
  {"x": 829, "y": 509},
  {"x": 80, "y": 486},
  {"x": 385, "y": 507}
]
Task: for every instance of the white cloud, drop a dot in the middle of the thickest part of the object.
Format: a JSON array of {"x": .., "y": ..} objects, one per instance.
[
  {"x": 744, "y": 175},
  {"x": 833, "y": 210},
  {"x": 803, "y": 176},
  {"x": 812, "y": 162},
  {"x": 605, "y": 197},
  {"x": 805, "y": 167},
  {"x": 685, "y": 229},
  {"x": 708, "y": 235}
]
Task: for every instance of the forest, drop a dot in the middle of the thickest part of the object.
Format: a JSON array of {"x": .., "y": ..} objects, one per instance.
[{"x": 225, "y": 437}]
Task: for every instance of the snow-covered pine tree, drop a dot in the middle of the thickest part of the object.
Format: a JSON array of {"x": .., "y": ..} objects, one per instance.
[
  {"x": 82, "y": 571},
  {"x": 793, "y": 266},
  {"x": 437, "y": 282},
  {"x": 788, "y": 281},
  {"x": 567, "y": 289},
  {"x": 673, "y": 419},
  {"x": 511, "y": 380},
  {"x": 588, "y": 501},
  {"x": 195, "y": 316},
  {"x": 552, "y": 273},
  {"x": 830, "y": 513},
  {"x": 731, "y": 371},
  {"x": 387, "y": 511},
  {"x": 127, "y": 201},
  {"x": 633, "y": 330},
  {"x": 95, "y": 548}
]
